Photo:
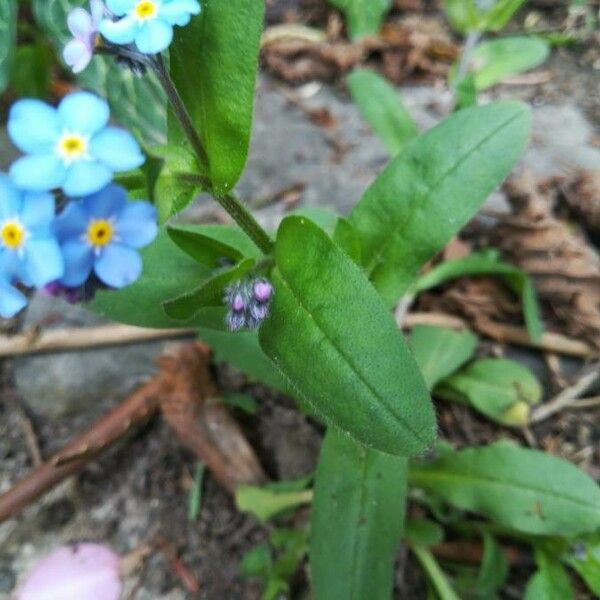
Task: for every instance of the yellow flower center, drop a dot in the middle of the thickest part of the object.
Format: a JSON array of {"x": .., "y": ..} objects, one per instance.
[
  {"x": 100, "y": 232},
  {"x": 72, "y": 147},
  {"x": 13, "y": 235},
  {"x": 146, "y": 9}
]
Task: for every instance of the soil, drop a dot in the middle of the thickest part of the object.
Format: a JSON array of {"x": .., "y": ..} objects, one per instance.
[{"x": 139, "y": 489}]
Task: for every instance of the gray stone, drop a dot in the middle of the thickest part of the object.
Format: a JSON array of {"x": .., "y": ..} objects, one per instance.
[{"x": 61, "y": 384}]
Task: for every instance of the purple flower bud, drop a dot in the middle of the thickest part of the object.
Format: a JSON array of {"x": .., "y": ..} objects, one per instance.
[
  {"x": 259, "y": 311},
  {"x": 237, "y": 303},
  {"x": 263, "y": 290},
  {"x": 235, "y": 320}
]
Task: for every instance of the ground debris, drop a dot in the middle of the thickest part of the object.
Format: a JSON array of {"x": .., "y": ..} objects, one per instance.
[
  {"x": 556, "y": 253},
  {"x": 406, "y": 46}
]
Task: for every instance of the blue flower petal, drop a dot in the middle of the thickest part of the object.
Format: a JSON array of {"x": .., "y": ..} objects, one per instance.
[
  {"x": 154, "y": 36},
  {"x": 10, "y": 264},
  {"x": 38, "y": 173},
  {"x": 106, "y": 204},
  {"x": 118, "y": 266},
  {"x": 42, "y": 261},
  {"x": 71, "y": 223},
  {"x": 11, "y": 300},
  {"x": 79, "y": 261},
  {"x": 122, "y": 31},
  {"x": 136, "y": 225},
  {"x": 37, "y": 210},
  {"x": 178, "y": 12},
  {"x": 10, "y": 199},
  {"x": 120, "y": 7},
  {"x": 117, "y": 149},
  {"x": 33, "y": 126},
  {"x": 86, "y": 177},
  {"x": 76, "y": 55},
  {"x": 83, "y": 113},
  {"x": 79, "y": 22}
]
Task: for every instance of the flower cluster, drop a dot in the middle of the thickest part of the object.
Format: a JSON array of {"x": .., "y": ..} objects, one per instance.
[
  {"x": 145, "y": 25},
  {"x": 248, "y": 302},
  {"x": 95, "y": 237}
]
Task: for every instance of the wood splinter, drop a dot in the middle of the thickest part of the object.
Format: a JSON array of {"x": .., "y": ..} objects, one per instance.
[{"x": 185, "y": 393}]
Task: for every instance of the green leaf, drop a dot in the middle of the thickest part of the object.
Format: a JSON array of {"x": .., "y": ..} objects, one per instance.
[
  {"x": 195, "y": 495},
  {"x": 209, "y": 293},
  {"x": 584, "y": 557},
  {"x": 363, "y": 17},
  {"x": 501, "y": 389},
  {"x": 440, "y": 352},
  {"x": 493, "y": 61},
  {"x": 466, "y": 92},
  {"x": 383, "y": 109},
  {"x": 361, "y": 376},
  {"x": 550, "y": 582},
  {"x": 462, "y": 15},
  {"x": 257, "y": 562},
  {"x": 8, "y": 39},
  {"x": 136, "y": 102},
  {"x": 242, "y": 401},
  {"x": 494, "y": 568},
  {"x": 346, "y": 237},
  {"x": 519, "y": 488},
  {"x": 242, "y": 350},
  {"x": 431, "y": 190},
  {"x": 31, "y": 72},
  {"x": 266, "y": 503},
  {"x": 435, "y": 575},
  {"x": 213, "y": 62},
  {"x": 500, "y": 14},
  {"x": 488, "y": 263},
  {"x": 174, "y": 189},
  {"x": 357, "y": 520},
  {"x": 212, "y": 245},
  {"x": 141, "y": 303},
  {"x": 423, "y": 532}
]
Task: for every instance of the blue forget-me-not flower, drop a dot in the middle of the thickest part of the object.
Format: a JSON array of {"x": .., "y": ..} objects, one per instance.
[
  {"x": 147, "y": 23},
  {"x": 29, "y": 252},
  {"x": 84, "y": 26},
  {"x": 100, "y": 233},
  {"x": 69, "y": 147}
]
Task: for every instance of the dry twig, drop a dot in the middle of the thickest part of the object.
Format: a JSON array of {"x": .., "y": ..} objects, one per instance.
[{"x": 184, "y": 391}]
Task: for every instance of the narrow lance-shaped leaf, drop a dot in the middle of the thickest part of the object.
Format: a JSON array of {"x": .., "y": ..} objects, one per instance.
[
  {"x": 213, "y": 62},
  {"x": 550, "y": 582},
  {"x": 357, "y": 520},
  {"x": 382, "y": 108},
  {"x": 488, "y": 263},
  {"x": 363, "y": 17},
  {"x": 8, "y": 39},
  {"x": 329, "y": 332},
  {"x": 440, "y": 352},
  {"x": 493, "y": 61},
  {"x": 432, "y": 188},
  {"x": 548, "y": 495}
]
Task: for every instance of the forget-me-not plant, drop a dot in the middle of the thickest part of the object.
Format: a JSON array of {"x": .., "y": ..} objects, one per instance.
[
  {"x": 29, "y": 252},
  {"x": 69, "y": 147},
  {"x": 83, "y": 25},
  {"x": 147, "y": 23},
  {"x": 101, "y": 233}
]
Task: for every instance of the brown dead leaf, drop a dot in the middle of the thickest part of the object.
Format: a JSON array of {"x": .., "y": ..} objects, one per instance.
[
  {"x": 404, "y": 47},
  {"x": 582, "y": 193},
  {"x": 565, "y": 267}
]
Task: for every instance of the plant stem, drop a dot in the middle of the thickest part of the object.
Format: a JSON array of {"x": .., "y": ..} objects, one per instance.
[
  {"x": 238, "y": 212},
  {"x": 180, "y": 110},
  {"x": 434, "y": 573},
  {"x": 465, "y": 59}
]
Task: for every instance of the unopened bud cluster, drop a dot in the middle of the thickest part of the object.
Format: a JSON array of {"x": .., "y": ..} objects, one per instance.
[{"x": 248, "y": 302}]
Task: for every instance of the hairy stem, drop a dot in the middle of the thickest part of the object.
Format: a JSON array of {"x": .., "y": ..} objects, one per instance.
[
  {"x": 238, "y": 212},
  {"x": 465, "y": 59}
]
